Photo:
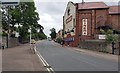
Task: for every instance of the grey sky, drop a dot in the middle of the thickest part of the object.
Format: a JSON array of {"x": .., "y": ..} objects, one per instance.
[{"x": 51, "y": 12}]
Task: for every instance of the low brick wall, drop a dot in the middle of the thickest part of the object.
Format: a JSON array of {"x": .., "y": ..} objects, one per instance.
[
  {"x": 12, "y": 42},
  {"x": 97, "y": 45}
]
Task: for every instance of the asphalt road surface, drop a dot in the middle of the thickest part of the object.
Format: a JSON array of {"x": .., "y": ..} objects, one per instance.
[{"x": 66, "y": 59}]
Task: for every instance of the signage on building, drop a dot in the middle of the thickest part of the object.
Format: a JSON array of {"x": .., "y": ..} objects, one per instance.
[
  {"x": 69, "y": 39},
  {"x": 102, "y": 37},
  {"x": 84, "y": 26},
  {"x": 68, "y": 19}
]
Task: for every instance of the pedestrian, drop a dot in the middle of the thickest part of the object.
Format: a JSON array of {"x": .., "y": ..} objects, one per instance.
[{"x": 33, "y": 42}]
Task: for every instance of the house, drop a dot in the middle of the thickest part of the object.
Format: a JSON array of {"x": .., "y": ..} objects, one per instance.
[{"x": 83, "y": 21}]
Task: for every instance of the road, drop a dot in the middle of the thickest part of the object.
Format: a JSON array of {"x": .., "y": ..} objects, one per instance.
[{"x": 66, "y": 59}]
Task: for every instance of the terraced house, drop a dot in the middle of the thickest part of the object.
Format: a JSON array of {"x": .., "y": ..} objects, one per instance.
[{"x": 83, "y": 21}]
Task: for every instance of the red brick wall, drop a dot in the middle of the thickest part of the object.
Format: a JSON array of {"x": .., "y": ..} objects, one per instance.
[
  {"x": 101, "y": 17},
  {"x": 114, "y": 22},
  {"x": 87, "y": 14}
]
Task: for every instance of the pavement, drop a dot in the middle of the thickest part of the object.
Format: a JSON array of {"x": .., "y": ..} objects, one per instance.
[
  {"x": 96, "y": 54},
  {"x": 20, "y": 58}
]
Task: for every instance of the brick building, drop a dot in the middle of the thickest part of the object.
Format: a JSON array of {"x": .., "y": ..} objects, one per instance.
[
  {"x": 82, "y": 21},
  {"x": 114, "y": 18}
]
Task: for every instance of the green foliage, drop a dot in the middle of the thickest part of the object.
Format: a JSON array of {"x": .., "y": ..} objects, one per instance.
[
  {"x": 42, "y": 36},
  {"x": 4, "y": 34},
  {"x": 59, "y": 40},
  {"x": 24, "y": 14},
  {"x": 102, "y": 31},
  {"x": 53, "y": 33},
  {"x": 110, "y": 36}
]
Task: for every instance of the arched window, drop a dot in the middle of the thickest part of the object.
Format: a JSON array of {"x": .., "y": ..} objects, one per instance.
[{"x": 68, "y": 11}]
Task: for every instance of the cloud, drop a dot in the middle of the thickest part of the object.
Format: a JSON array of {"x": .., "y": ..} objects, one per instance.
[{"x": 51, "y": 15}]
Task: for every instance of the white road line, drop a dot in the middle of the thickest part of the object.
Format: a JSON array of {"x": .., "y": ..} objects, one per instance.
[
  {"x": 41, "y": 60},
  {"x": 49, "y": 69},
  {"x": 44, "y": 59},
  {"x": 52, "y": 70}
]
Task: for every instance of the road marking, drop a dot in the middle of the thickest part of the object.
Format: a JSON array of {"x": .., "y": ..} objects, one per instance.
[
  {"x": 46, "y": 64},
  {"x": 48, "y": 67},
  {"x": 41, "y": 60}
]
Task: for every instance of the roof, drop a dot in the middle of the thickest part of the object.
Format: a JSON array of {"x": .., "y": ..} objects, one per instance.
[
  {"x": 113, "y": 10},
  {"x": 92, "y": 5}
]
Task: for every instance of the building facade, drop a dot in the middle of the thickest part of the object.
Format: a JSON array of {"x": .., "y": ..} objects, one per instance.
[
  {"x": 60, "y": 34},
  {"x": 83, "y": 21}
]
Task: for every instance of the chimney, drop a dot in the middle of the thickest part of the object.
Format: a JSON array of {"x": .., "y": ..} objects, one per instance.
[{"x": 83, "y": 2}]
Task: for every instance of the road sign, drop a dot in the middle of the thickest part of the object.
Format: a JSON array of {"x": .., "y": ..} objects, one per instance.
[{"x": 10, "y": 2}]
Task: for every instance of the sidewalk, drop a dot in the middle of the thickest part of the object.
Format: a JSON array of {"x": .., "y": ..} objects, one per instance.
[
  {"x": 96, "y": 54},
  {"x": 20, "y": 58}
]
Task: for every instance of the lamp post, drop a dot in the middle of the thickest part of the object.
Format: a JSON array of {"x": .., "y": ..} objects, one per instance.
[
  {"x": 17, "y": 26},
  {"x": 29, "y": 30}
]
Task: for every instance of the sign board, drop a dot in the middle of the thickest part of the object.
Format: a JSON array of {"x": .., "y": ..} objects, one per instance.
[
  {"x": 10, "y": 2},
  {"x": 84, "y": 26},
  {"x": 69, "y": 39},
  {"x": 102, "y": 37},
  {"x": 68, "y": 19}
]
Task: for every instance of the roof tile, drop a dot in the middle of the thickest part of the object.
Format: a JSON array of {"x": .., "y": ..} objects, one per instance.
[{"x": 92, "y": 5}]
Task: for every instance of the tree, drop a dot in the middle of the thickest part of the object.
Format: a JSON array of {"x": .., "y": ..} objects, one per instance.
[
  {"x": 111, "y": 38},
  {"x": 24, "y": 14},
  {"x": 53, "y": 33}
]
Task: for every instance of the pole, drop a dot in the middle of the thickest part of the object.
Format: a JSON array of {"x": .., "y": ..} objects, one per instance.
[
  {"x": 30, "y": 37},
  {"x": 8, "y": 26},
  {"x": 82, "y": 1}
]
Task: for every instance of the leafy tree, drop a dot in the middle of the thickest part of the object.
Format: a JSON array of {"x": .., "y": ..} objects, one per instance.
[
  {"x": 53, "y": 33},
  {"x": 111, "y": 38},
  {"x": 24, "y": 14}
]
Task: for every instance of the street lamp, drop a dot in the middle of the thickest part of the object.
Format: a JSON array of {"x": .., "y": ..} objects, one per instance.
[
  {"x": 38, "y": 32},
  {"x": 17, "y": 26},
  {"x": 29, "y": 30}
]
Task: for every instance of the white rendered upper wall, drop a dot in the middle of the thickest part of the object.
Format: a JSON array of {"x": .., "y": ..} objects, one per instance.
[{"x": 69, "y": 17}]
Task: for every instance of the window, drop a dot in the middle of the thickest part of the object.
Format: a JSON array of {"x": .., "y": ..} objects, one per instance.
[{"x": 68, "y": 12}]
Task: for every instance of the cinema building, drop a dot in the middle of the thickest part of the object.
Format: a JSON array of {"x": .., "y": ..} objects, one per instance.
[{"x": 83, "y": 21}]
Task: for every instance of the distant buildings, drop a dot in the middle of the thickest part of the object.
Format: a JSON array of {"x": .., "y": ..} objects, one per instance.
[
  {"x": 59, "y": 34},
  {"x": 83, "y": 21}
]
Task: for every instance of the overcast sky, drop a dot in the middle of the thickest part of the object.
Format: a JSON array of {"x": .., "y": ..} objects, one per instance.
[{"x": 51, "y": 12}]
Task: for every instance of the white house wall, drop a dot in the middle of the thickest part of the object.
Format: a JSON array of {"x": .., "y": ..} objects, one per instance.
[{"x": 71, "y": 18}]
